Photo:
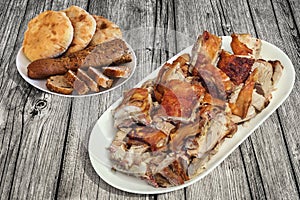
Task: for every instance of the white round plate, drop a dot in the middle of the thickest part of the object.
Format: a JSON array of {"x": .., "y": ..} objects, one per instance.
[
  {"x": 104, "y": 131},
  {"x": 22, "y": 63}
]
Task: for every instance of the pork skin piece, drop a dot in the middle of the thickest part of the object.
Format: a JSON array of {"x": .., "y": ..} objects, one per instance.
[
  {"x": 178, "y": 69},
  {"x": 206, "y": 50},
  {"x": 178, "y": 98},
  {"x": 244, "y": 99},
  {"x": 215, "y": 81},
  {"x": 156, "y": 139},
  {"x": 244, "y": 44},
  {"x": 135, "y": 108},
  {"x": 235, "y": 67}
]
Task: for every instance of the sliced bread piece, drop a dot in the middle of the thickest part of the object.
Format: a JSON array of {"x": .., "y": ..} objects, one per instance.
[
  {"x": 116, "y": 71},
  {"x": 59, "y": 84},
  {"x": 90, "y": 82},
  {"x": 79, "y": 86},
  {"x": 100, "y": 78}
]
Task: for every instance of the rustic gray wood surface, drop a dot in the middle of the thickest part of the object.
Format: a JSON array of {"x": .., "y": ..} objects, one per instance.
[{"x": 44, "y": 137}]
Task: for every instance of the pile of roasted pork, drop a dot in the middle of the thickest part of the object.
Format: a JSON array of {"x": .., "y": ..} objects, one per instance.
[{"x": 171, "y": 126}]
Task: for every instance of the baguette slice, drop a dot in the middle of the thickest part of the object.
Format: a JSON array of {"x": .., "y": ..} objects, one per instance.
[
  {"x": 100, "y": 78},
  {"x": 116, "y": 71},
  {"x": 59, "y": 84},
  {"x": 90, "y": 82},
  {"x": 79, "y": 86}
]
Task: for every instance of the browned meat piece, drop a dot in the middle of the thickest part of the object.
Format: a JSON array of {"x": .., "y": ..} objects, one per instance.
[
  {"x": 243, "y": 102},
  {"x": 244, "y": 44},
  {"x": 135, "y": 108},
  {"x": 216, "y": 82},
  {"x": 178, "y": 98},
  {"x": 206, "y": 50},
  {"x": 156, "y": 139},
  {"x": 177, "y": 139},
  {"x": 264, "y": 84},
  {"x": 277, "y": 71},
  {"x": 204, "y": 55},
  {"x": 111, "y": 52},
  {"x": 176, "y": 70},
  {"x": 237, "y": 68}
]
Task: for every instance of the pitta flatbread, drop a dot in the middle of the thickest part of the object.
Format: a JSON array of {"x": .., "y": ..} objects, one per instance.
[
  {"x": 48, "y": 35},
  {"x": 84, "y": 28}
]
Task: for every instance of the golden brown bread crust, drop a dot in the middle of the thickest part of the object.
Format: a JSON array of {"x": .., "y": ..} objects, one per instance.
[
  {"x": 116, "y": 71},
  {"x": 44, "y": 68},
  {"x": 59, "y": 84},
  {"x": 84, "y": 28},
  {"x": 48, "y": 35},
  {"x": 111, "y": 52},
  {"x": 105, "y": 30}
]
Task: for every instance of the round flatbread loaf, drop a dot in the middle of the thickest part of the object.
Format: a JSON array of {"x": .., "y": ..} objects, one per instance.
[
  {"x": 48, "y": 35},
  {"x": 105, "y": 31},
  {"x": 84, "y": 28}
]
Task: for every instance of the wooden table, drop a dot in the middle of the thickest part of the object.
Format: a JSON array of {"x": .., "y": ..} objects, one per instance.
[{"x": 43, "y": 137}]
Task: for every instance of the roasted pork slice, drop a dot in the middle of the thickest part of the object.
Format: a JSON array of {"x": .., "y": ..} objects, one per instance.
[
  {"x": 206, "y": 50},
  {"x": 215, "y": 81},
  {"x": 216, "y": 128},
  {"x": 235, "y": 67},
  {"x": 155, "y": 138},
  {"x": 277, "y": 71},
  {"x": 244, "y": 44},
  {"x": 178, "y": 98},
  {"x": 135, "y": 108},
  {"x": 243, "y": 101},
  {"x": 178, "y": 69},
  {"x": 264, "y": 84}
]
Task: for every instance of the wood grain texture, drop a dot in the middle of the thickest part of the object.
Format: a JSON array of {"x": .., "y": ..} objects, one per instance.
[{"x": 32, "y": 146}]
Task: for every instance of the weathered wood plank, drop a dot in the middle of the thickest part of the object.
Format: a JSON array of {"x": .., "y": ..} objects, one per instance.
[
  {"x": 276, "y": 171},
  {"x": 294, "y": 6},
  {"x": 287, "y": 15},
  {"x": 34, "y": 123}
]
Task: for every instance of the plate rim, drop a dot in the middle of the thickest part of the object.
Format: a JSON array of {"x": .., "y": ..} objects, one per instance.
[
  {"x": 30, "y": 81},
  {"x": 267, "y": 112}
]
